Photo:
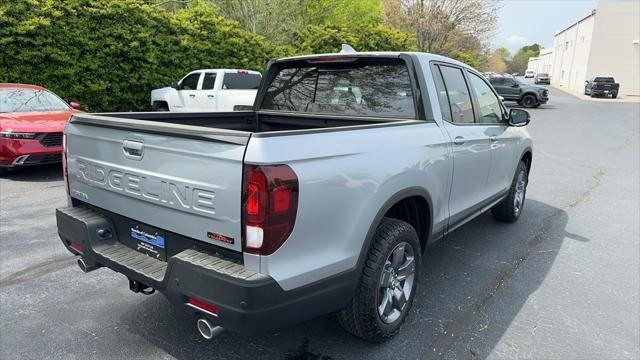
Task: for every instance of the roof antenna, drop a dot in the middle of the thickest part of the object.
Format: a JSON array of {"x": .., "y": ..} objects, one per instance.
[{"x": 347, "y": 49}]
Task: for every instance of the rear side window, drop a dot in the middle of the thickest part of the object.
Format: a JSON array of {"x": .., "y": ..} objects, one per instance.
[
  {"x": 458, "y": 93},
  {"x": 240, "y": 81},
  {"x": 209, "y": 81},
  {"x": 190, "y": 82},
  {"x": 359, "y": 88}
]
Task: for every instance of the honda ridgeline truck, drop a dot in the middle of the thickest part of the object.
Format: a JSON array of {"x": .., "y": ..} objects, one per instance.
[{"x": 321, "y": 199}]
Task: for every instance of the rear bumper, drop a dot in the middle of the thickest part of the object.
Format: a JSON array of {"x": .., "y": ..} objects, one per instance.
[
  {"x": 19, "y": 152},
  {"x": 246, "y": 301},
  {"x": 603, "y": 92}
]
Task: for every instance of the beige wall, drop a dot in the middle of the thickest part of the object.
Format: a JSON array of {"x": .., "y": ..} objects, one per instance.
[
  {"x": 543, "y": 62},
  {"x": 613, "y": 51},
  {"x": 571, "y": 49}
]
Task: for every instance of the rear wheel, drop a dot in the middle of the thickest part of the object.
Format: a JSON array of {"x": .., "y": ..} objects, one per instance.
[
  {"x": 614, "y": 95},
  {"x": 592, "y": 94},
  {"x": 388, "y": 284},
  {"x": 529, "y": 101},
  {"x": 510, "y": 208}
]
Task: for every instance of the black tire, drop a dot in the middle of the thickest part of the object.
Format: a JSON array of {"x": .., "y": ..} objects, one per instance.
[
  {"x": 529, "y": 101},
  {"x": 613, "y": 96},
  {"x": 362, "y": 318},
  {"x": 508, "y": 210},
  {"x": 592, "y": 94}
]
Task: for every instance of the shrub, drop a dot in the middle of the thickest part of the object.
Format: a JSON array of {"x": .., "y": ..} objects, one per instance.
[{"x": 109, "y": 54}]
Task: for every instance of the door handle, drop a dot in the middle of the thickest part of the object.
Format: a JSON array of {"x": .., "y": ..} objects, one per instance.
[
  {"x": 192, "y": 95},
  {"x": 459, "y": 140},
  {"x": 133, "y": 149},
  {"x": 493, "y": 138},
  {"x": 211, "y": 96}
]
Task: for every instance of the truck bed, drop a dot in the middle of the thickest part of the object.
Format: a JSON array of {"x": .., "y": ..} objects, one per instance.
[{"x": 244, "y": 121}]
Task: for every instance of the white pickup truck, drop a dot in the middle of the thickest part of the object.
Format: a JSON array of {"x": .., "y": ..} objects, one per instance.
[{"x": 209, "y": 90}]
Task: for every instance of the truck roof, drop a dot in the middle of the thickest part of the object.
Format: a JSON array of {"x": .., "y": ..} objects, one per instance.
[
  {"x": 422, "y": 55},
  {"x": 227, "y": 70}
]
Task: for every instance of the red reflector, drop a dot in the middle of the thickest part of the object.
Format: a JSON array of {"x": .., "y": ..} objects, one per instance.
[
  {"x": 331, "y": 59},
  {"x": 253, "y": 199},
  {"x": 75, "y": 246},
  {"x": 280, "y": 200},
  {"x": 203, "y": 306}
]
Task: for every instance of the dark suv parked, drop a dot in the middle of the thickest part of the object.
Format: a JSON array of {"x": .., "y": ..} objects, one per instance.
[{"x": 514, "y": 89}]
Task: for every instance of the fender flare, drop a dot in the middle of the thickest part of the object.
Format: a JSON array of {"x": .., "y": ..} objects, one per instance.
[{"x": 398, "y": 196}]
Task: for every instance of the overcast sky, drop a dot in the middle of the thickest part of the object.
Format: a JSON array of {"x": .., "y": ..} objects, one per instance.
[{"x": 524, "y": 22}]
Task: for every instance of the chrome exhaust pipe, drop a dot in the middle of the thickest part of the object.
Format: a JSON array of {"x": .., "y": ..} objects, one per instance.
[
  {"x": 86, "y": 267},
  {"x": 207, "y": 330}
]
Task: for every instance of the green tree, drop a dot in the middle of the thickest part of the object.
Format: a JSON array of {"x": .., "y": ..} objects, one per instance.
[
  {"x": 109, "y": 54},
  {"x": 521, "y": 58}
]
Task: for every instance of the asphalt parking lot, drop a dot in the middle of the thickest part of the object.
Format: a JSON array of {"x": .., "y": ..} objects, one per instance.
[{"x": 563, "y": 282}]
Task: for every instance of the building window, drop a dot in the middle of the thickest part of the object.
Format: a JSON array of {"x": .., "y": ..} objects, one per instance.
[{"x": 562, "y": 75}]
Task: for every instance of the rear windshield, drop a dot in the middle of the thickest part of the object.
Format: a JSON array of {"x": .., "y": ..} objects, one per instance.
[
  {"x": 543, "y": 74},
  {"x": 241, "y": 81},
  {"x": 604, "y": 79},
  {"x": 360, "y": 88}
]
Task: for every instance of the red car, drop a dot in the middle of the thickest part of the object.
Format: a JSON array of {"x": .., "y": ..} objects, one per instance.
[{"x": 31, "y": 123}]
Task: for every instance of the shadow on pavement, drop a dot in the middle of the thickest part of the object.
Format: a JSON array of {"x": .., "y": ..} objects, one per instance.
[
  {"x": 36, "y": 173},
  {"x": 459, "y": 280}
]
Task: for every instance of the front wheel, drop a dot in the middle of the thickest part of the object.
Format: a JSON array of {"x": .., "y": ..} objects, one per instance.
[
  {"x": 388, "y": 284},
  {"x": 529, "y": 101},
  {"x": 510, "y": 208}
]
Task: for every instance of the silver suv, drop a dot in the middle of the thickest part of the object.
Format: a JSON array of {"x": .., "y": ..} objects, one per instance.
[{"x": 321, "y": 199}]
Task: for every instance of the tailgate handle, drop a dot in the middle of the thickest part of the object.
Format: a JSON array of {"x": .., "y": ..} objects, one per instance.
[{"x": 133, "y": 149}]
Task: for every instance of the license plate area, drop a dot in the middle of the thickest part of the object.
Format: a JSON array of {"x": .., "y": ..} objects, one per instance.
[{"x": 148, "y": 240}]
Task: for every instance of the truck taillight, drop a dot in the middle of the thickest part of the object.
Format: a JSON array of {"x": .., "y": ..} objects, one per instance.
[
  {"x": 594, "y": 86},
  {"x": 65, "y": 173},
  {"x": 270, "y": 204}
]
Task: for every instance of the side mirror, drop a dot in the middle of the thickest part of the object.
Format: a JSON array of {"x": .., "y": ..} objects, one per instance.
[
  {"x": 74, "y": 105},
  {"x": 519, "y": 117},
  {"x": 586, "y": 81},
  {"x": 175, "y": 86}
]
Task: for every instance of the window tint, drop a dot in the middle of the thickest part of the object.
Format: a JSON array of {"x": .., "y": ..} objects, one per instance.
[
  {"x": 508, "y": 82},
  {"x": 209, "y": 81},
  {"x": 490, "y": 111},
  {"x": 190, "y": 82},
  {"x": 443, "y": 99},
  {"x": 459, "y": 97},
  {"x": 361, "y": 88},
  {"x": 242, "y": 81},
  {"x": 496, "y": 81}
]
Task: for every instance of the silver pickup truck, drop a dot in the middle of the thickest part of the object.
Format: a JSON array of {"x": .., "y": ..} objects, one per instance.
[{"x": 322, "y": 199}]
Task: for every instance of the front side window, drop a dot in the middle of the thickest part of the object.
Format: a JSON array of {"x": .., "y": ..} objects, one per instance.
[
  {"x": 490, "y": 110},
  {"x": 359, "y": 88},
  {"x": 209, "y": 81},
  {"x": 24, "y": 100},
  {"x": 190, "y": 82},
  {"x": 458, "y": 93}
]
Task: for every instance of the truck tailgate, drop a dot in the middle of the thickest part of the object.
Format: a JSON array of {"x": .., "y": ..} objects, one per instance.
[{"x": 169, "y": 176}]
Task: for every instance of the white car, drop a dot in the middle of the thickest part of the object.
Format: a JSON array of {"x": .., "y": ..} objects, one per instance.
[
  {"x": 209, "y": 90},
  {"x": 529, "y": 74}
]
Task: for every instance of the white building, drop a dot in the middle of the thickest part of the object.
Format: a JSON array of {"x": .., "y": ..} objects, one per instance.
[
  {"x": 542, "y": 63},
  {"x": 604, "y": 43}
]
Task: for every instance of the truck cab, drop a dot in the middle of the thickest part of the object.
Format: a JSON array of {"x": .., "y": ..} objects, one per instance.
[{"x": 208, "y": 90}]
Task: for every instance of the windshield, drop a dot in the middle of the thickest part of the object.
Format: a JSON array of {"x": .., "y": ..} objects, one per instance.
[
  {"x": 359, "y": 87},
  {"x": 604, "y": 79},
  {"x": 24, "y": 100},
  {"x": 543, "y": 74}
]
